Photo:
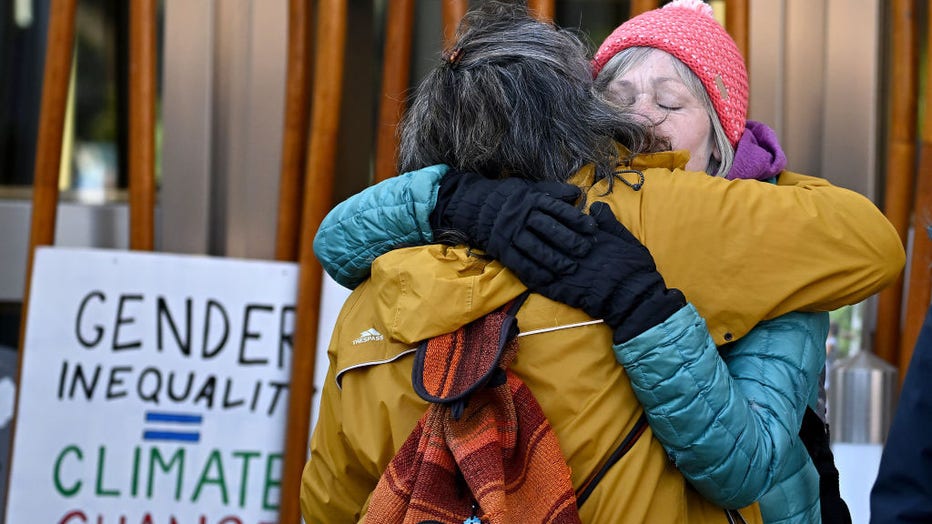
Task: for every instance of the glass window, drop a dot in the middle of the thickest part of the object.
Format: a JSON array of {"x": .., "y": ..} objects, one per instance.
[{"x": 96, "y": 123}]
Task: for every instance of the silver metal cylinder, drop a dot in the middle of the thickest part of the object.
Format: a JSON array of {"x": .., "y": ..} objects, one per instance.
[{"x": 862, "y": 397}]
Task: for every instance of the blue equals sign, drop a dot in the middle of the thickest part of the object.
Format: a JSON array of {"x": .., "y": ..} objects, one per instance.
[{"x": 175, "y": 427}]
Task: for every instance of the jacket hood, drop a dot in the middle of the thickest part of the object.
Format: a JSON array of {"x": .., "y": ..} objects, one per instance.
[{"x": 425, "y": 291}]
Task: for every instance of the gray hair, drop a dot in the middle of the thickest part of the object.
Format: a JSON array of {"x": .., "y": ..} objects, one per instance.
[
  {"x": 619, "y": 64},
  {"x": 514, "y": 96}
]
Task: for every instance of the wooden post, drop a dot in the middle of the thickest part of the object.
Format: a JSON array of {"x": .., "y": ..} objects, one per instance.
[
  {"x": 737, "y": 18},
  {"x": 318, "y": 189},
  {"x": 453, "y": 12},
  {"x": 59, "y": 50},
  {"x": 901, "y": 164},
  {"x": 295, "y": 136},
  {"x": 919, "y": 287},
  {"x": 142, "y": 122},
  {"x": 396, "y": 69},
  {"x": 58, "y": 55},
  {"x": 543, "y": 9},
  {"x": 642, "y": 6}
]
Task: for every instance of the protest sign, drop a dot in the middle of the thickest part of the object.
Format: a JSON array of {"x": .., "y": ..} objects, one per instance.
[{"x": 154, "y": 389}]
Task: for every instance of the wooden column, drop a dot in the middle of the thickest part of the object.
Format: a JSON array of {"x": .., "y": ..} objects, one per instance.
[
  {"x": 737, "y": 18},
  {"x": 142, "y": 122},
  {"x": 295, "y": 136},
  {"x": 919, "y": 287},
  {"x": 453, "y": 12},
  {"x": 59, "y": 50},
  {"x": 641, "y": 6},
  {"x": 318, "y": 189},
  {"x": 543, "y": 9},
  {"x": 396, "y": 70},
  {"x": 56, "y": 76},
  {"x": 901, "y": 164}
]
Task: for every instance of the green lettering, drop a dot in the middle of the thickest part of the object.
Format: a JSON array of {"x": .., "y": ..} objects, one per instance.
[
  {"x": 101, "y": 459},
  {"x": 155, "y": 456},
  {"x": 244, "y": 478},
  {"x": 271, "y": 482},
  {"x": 56, "y": 475},
  {"x": 134, "y": 487},
  {"x": 219, "y": 480}
]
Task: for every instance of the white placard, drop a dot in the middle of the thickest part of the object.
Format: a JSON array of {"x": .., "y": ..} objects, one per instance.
[{"x": 154, "y": 389}]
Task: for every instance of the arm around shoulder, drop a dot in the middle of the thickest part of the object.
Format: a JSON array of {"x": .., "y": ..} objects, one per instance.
[
  {"x": 392, "y": 213},
  {"x": 733, "y": 435},
  {"x": 855, "y": 230}
]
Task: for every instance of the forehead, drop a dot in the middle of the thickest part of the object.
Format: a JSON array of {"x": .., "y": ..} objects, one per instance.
[{"x": 655, "y": 66}]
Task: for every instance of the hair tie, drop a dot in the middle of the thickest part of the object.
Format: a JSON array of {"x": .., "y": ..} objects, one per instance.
[{"x": 455, "y": 55}]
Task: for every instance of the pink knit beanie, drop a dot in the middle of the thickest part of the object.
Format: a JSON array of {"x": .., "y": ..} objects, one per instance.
[{"x": 687, "y": 30}]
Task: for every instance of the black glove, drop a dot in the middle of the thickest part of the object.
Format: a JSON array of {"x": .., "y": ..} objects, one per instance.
[
  {"x": 617, "y": 281},
  {"x": 531, "y": 227}
]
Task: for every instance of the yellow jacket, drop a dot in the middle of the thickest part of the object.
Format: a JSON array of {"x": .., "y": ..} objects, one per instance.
[
  {"x": 741, "y": 251},
  {"x": 368, "y": 407}
]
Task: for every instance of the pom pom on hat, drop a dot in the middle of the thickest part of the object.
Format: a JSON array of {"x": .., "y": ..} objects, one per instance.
[{"x": 688, "y": 30}]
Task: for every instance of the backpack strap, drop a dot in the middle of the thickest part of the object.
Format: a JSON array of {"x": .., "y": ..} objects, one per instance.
[
  {"x": 450, "y": 367},
  {"x": 815, "y": 436}
]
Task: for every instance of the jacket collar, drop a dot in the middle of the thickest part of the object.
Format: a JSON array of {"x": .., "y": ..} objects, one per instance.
[{"x": 426, "y": 291}]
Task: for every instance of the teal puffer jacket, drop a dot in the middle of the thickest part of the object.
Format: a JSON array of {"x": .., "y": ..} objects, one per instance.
[
  {"x": 372, "y": 222},
  {"x": 720, "y": 423}
]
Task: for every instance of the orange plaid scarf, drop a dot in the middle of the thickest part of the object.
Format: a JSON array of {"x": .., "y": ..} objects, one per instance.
[{"x": 484, "y": 450}]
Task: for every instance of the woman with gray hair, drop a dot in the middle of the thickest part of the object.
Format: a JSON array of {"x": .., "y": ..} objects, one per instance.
[{"x": 738, "y": 412}]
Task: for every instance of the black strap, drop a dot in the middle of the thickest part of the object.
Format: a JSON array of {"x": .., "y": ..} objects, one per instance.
[
  {"x": 587, "y": 488},
  {"x": 815, "y": 436}
]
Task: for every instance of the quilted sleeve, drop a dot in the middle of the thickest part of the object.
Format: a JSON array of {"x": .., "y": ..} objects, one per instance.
[
  {"x": 392, "y": 213},
  {"x": 731, "y": 424}
]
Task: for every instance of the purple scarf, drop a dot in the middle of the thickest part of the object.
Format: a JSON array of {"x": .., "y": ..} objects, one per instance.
[{"x": 758, "y": 154}]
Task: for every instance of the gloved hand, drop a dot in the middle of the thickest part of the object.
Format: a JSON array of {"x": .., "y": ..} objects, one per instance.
[
  {"x": 531, "y": 227},
  {"x": 617, "y": 281}
]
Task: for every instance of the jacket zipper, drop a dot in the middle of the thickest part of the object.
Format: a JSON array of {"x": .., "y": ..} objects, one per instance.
[{"x": 584, "y": 491}]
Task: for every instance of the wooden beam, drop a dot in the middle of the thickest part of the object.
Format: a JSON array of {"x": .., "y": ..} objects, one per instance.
[
  {"x": 542, "y": 9},
  {"x": 453, "y": 12},
  {"x": 396, "y": 70},
  {"x": 142, "y": 123},
  {"x": 642, "y": 6},
  {"x": 318, "y": 190},
  {"x": 295, "y": 135},
  {"x": 901, "y": 164},
  {"x": 737, "y": 20},
  {"x": 59, "y": 50},
  {"x": 919, "y": 288},
  {"x": 56, "y": 76}
]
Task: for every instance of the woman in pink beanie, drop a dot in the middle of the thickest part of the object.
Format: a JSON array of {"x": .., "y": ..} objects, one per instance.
[{"x": 678, "y": 68}]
